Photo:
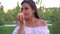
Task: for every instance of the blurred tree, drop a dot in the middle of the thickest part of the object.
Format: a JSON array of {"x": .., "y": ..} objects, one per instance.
[
  {"x": 55, "y": 17},
  {"x": 1, "y": 15},
  {"x": 38, "y": 1},
  {"x": 10, "y": 17},
  {"x": 12, "y": 14}
]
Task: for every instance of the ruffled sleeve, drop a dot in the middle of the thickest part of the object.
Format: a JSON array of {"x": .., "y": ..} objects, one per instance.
[
  {"x": 16, "y": 30},
  {"x": 37, "y": 30},
  {"x": 43, "y": 30}
]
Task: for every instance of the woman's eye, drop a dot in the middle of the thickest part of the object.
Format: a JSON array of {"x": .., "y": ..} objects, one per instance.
[{"x": 26, "y": 8}]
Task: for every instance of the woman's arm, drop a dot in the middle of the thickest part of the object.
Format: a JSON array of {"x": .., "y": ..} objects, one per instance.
[
  {"x": 21, "y": 29},
  {"x": 20, "y": 23}
]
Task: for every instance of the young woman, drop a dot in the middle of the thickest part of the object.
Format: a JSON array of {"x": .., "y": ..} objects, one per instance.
[{"x": 30, "y": 23}]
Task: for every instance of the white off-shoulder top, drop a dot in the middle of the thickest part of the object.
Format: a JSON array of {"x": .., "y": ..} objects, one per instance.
[{"x": 36, "y": 30}]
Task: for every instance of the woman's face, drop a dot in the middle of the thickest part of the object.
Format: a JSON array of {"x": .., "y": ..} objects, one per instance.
[{"x": 27, "y": 10}]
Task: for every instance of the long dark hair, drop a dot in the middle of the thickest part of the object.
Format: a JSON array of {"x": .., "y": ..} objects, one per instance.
[{"x": 33, "y": 6}]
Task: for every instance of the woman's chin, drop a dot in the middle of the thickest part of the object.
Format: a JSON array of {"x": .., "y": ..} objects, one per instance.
[{"x": 26, "y": 17}]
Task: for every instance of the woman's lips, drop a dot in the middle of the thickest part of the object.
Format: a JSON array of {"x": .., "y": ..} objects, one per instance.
[{"x": 25, "y": 14}]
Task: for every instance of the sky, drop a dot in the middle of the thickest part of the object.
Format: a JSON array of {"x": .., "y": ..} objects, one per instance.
[{"x": 9, "y": 4}]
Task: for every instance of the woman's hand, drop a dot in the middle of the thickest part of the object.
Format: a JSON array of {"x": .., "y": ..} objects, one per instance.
[
  {"x": 20, "y": 17},
  {"x": 21, "y": 22}
]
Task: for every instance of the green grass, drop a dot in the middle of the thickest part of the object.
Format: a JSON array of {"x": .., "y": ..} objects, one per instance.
[
  {"x": 9, "y": 30},
  {"x": 6, "y": 30}
]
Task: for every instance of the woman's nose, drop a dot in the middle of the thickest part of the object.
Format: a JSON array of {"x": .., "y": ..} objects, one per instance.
[{"x": 24, "y": 11}]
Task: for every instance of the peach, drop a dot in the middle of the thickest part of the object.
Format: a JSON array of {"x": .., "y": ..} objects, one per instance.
[{"x": 22, "y": 15}]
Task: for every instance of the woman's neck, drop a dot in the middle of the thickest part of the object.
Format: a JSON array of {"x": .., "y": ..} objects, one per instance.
[
  {"x": 28, "y": 20},
  {"x": 31, "y": 20}
]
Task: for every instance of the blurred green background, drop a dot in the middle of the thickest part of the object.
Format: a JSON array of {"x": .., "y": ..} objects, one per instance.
[{"x": 51, "y": 15}]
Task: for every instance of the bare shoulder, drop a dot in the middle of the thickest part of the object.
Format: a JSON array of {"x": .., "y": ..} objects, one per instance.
[{"x": 42, "y": 22}]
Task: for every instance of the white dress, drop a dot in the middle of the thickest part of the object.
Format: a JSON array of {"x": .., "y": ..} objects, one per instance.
[{"x": 36, "y": 30}]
